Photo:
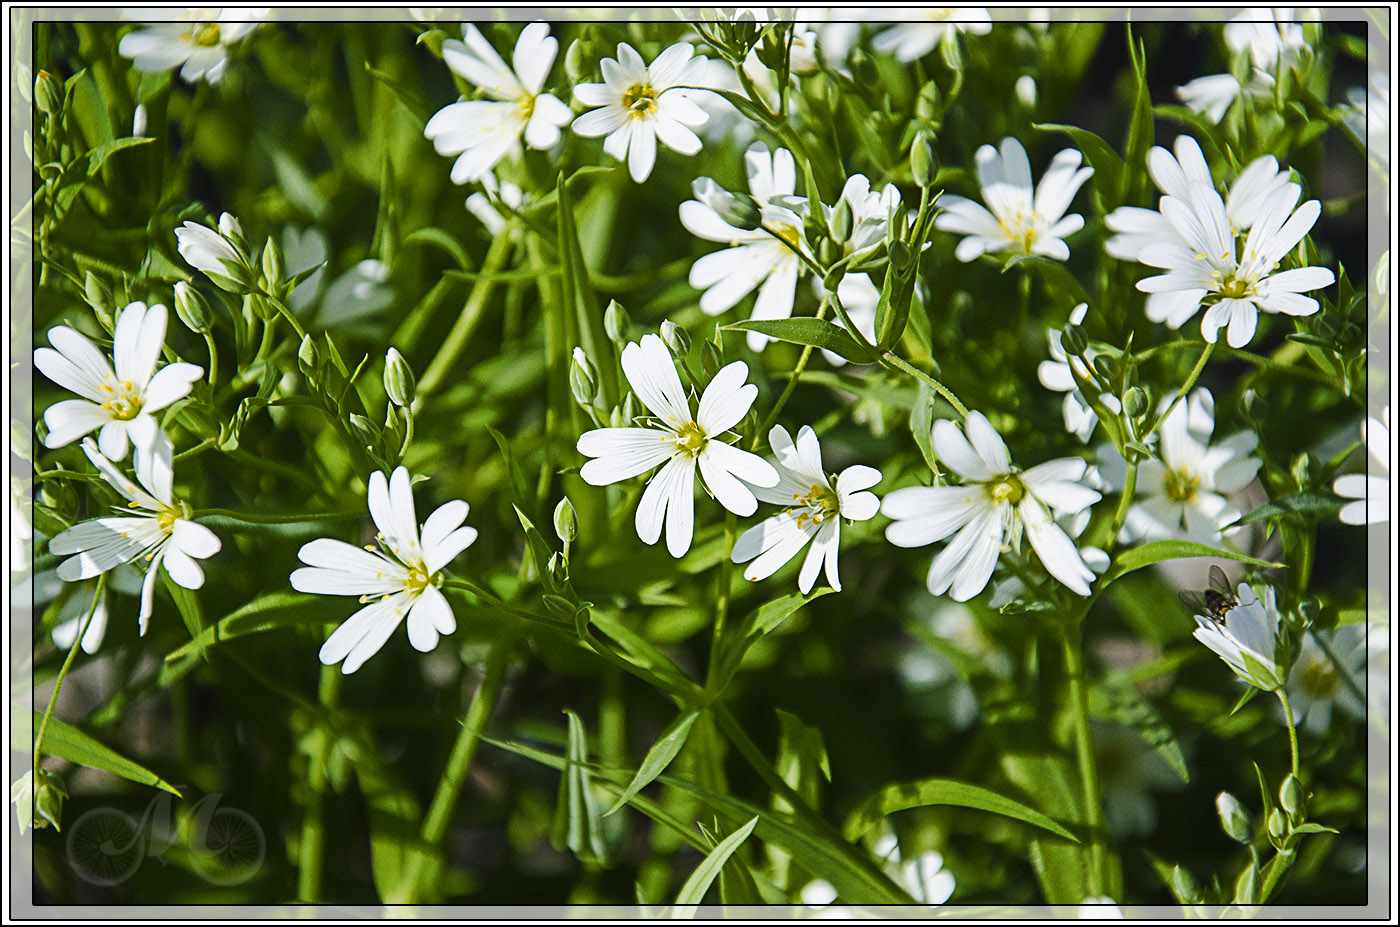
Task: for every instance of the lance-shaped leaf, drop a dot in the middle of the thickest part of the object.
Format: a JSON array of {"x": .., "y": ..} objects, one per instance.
[
  {"x": 901, "y": 796},
  {"x": 67, "y": 742},
  {"x": 659, "y": 756},
  {"x": 817, "y": 333},
  {"x": 699, "y": 882}
]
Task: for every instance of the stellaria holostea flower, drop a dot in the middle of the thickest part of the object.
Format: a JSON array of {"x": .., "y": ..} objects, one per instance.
[
  {"x": 681, "y": 440},
  {"x": 197, "y": 44},
  {"x": 1370, "y": 490},
  {"x": 924, "y": 27},
  {"x": 117, "y": 401},
  {"x": 815, "y": 505},
  {"x": 1247, "y": 637},
  {"x": 399, "y": 579},
  {"x": 222, "y": 255},
  {"x": 1055, "y": 374}
]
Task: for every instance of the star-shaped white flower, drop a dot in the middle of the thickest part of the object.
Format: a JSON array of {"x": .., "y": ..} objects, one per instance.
[
  {"x": 1205, "y": 264},
  {"x": 639, "y": 103},
  {"x": 1184, "y": 491},
  {"x": 1247, "y": 637},
  {"x": 924, "y": 29},
  {"x": 1370, "y": 490},
  {"x": 1055, "y": 374},
  {"x": 814, "y": 508},
  {"x": 988, "y": 511},
  {"x": 683, "y": 441},
  {"x": 219, "y": 254},
  {"x": 870, "y": 215},
  {"x": 755, "y": 258},
  {"x": 1316, "y": 683},
  {"x": 197, "y": 44},
  {"x": 400, "y": 580},
  {"x": 117, "y": 402},
  {"x": 485, "y": 131},
  {"x": 1021, "y": 219},
  {"x": 163, "y": 535}
]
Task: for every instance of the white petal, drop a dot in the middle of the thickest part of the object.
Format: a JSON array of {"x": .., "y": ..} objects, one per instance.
[
  {"x": 726, "y": 400},
  {"x": 812, "y": 564},
  {"x": 446, "y": 550},
  {"x": 748, "y": 467},
  {"x": 953, "y": 448},
  {"x": 194, "y": 540},
  {"x": 170, "y": 383},
  {"x": 622, "y": 453},
  {"x": 669, "y": 496},
  {"x": 112, "y": 440},
  {"x": 653, "y": 376},
  {"x": 183, "y": 570},
  {"x": 429, "y": 616},
  {"x": 136, "y": 342},
  {"x": 924, "y": 514},
  {"x": 363, "y": 633},
  {"x": 727, "y": 490},
  {"x": 774, "y": 542},
  {"x": 69, "y": 420},
  {"x": 1056, "y": 551}
]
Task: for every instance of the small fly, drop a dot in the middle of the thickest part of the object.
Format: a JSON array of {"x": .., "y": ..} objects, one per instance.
[{"x": 1214, "y": 602}]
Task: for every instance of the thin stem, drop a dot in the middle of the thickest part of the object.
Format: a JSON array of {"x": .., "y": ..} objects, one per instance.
[
  {"x": 273, "y": 519},
  {"x": 456, "y": 342},
  {"x": 311, "y": 850},
  {"x": 449, "y": 787},
  {"x": 1340, "y": 668},
  {"x": 1070, "y": 639},
  {"x": 1125, "y": 501},
  {"x": 894, "y": 361},
  {"x": 1191, "y": 379},
  {"x": 62, "y": 673},
  {"x": 1292, "y": 727},
  {"x": 726, "y": 579},
  {"x": 771, "y": 418},
  {"x": 286, "y": 313},
  {"x": 213, "y": 358}
]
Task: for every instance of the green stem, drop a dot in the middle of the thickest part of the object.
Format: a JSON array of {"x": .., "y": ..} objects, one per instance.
[
  {"x": 449, "y": 788},
  {"x": 311, "y": 850},
  {"x": 1191, "y": 379},
  {"x": 1292, "y": 728},
  {"x": 726, "y": 579},
  {"x": 1125, "y": 501},
  {"x": 771, "y": 418},
  {"x": 286, "y": 313},
  {"x": 1341, "y": 669},
  {"x": 273, "y": 519},
  {"x": 213, "y": 358},
  {"x": 1071, "y": 640},
  {"x": 895, "y": 362},
  {"x": 444, "y": 362},
  {"x": 62, "y": 673}
]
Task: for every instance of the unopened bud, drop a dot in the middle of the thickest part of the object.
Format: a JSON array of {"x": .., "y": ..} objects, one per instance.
[
  {"x": 1302, "y": 471},
  {"x": 923, "y": 159},
  {"x": 900, "y": 256},
  {"x": 828, "y": 252},
  {"x": 259, "y": 305},
  {"x": 48, "y": 93},
  {"x": 138, "y": 121},
  {"x": 565, "y": 520},
  {"x": 1135, "y": 402},
  {"x": 1290, "y": 796},
  {"x": 1234, "y": 819},
  {"x": 273, "y": 267},
  {"x": 676, "y": 338},
  {"x": 232, "y": 232},
  {"x": 863, "y": 68},
  {"x": 1278, "y": 825},
  {"x": 616, "y": 322},
  {"x": 739, "y": 211},
  {"x": 1072, "y": 339},
  {"x": 399, "y": 383},
  {"x": 95, "y": 292},
  {"x": 711, "y": 358},
  {"x": 576, "y": 61},
  {"x": 559, "y": 572},
  {"x": 1253, "y": 408},
  {"x": 308, "y": 357},
  {"x": 1326, "y": 325},
  {"x": 364, "y": 429},
  {"x": 583, "y": 378},
  {"x": 1107, "y": 367},
  {"x": 192, "y": 309},
  {"x": 842, "y": 218},
  {"x": 1183, "y": 886},
  {"x": 929, "y": 103},
  {"x": 48, "y": 800},
  {"x": 1247, "y": 885}
]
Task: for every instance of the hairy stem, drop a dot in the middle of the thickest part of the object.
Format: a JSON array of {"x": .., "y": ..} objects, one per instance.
[{"x": 895, "y": 362}]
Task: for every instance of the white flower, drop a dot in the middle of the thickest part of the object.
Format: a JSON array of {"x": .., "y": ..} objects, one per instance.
[
  {"x": 989, "y": 510},
  {"x": 404, "y": 581},
  {"x": 162, "y": 536},
  {"x": 870, "y": 215},
  {"x": 485, "y": 131},
  {"x": 1185, "y": 489},
  {"x": 638, "y": 105},
  {"x": 1175, "y": 175},
  {"x": 1247, "y": 637},
  {"x": 1213, "y": 93},
  {"x": 1273, "y": 43},
  {"x": 755, "y": 258},
  {"x": 1370, "y": 490},
  {"x": 1315, "y": 682},
  {"x": 1368, "y": 118},
  {"x": 1099, "y": 908},
  {"x": 116, "y": 402},
  {"x": 1204, "y": 263},
  {"x": 814, "y": 509},
  {"x": 74, "y": 614},
  {"x": 680, "y": 439},
  {"x": 197, "y": 44},
  {"x": 483, "y": 205},
  {"x": 1019, "y": 220},
  {"x": 220, "y": 255},
  {"x": 911, "y": 40},
  {"x": 1055, "y": 374}
]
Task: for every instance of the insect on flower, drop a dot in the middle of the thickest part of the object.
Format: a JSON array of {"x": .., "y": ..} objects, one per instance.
[{"x": 1215, "y": 601}]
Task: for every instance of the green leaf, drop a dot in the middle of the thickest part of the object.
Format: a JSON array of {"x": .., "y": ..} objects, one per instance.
[
  {"x": 901, "y": 796},
  {"x": 262, "y": 614},
  {"x": 582, "y": 299},
  {"x": 1108, "y": 167},
  {"x": 699, "y": 882},
  {"x": 659, "y": 756},
  {"x": 802, "y": 759},
  {"x": 921, "y": 425},
  {"x": 432, "y": 235},
  {"x": 1140, "y": 130},
  {"x": 755, "y": 626},
  {"x": 99, "y": 155},
  {"x": 67, "y": 742},
  {"x": 412, "y": 102},
  {"x": 1313, "y": 828},
  {"x": 818, "y": 333},
  {"x": 1155, "y": 552},
  {"x": 1301, "y": 503},
  {"x": 577, "y": 823},
  {"x": 1055, "y": 274},
  {"x": 643, "y": 654},
  {"x": 1124, "y": 702},
  {"x": 896, "y": 295},
  {"x": 188, "y": 604}
]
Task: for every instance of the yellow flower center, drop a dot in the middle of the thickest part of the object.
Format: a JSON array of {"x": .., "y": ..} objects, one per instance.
[
  {"x": 1006, "y": 489},
  {"x": 791, "y": 235},
  {"x": 1020, "y": 226},
  {"x": 818, "y": 504},
  {"x": 165, "y": 521},
  {"x": 1180, "y": 485},
  {"x": 124, "y": 402},
  {"x": 205, "y": 35},
  {"x": 640, "y": 101},
  {"x": 1318, "y": 677},
  {"x": 690, "y": 439},
  {"x": 418, "y": 580}
]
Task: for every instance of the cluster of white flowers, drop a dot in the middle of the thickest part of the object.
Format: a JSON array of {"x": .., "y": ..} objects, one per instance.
[{"x": 197, "y": 42}]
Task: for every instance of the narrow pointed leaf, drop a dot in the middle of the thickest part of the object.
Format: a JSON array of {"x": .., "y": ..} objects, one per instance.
[
  {"x": 699, "y": 882},
  {"x": 659, "y": 756}
]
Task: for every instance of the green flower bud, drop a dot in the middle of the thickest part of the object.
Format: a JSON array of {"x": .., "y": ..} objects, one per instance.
[
  {"x": 583, "y": 378},
  {"x": 923, "y": 159},
  {"x": 399, "y": 383},
  {"x": 22, "y": 797},
  {"x": 1302, "y": 471},
  {"x": 559, "y": 606},
  {"x": 565, "y": 520},
  {"x": 260, "y": 306},
  {"x": 928, "y": 106},
  {"x": 1326, "y": 325},
  {"x": 738, "y": 210},
  {"x": 559, "y": 572},
  {"x": 1073, "y": 341},
  {"x": 616, "y": 322},
  {"x": 1278, "y": 825},
  {"x": 48, "y": 94},
  {"x": 1247, "y": 886},
  {"x": 842, "y": 218},
  {"x": 676, "y": 338},
  {"x": 1183, "y": 886},
  {"x": 1234, "y": 819},
  {"x": 308, "y": 357},
  {"x": 828, "y": 252},
  {"x": 365, "y": 431},
  {"x": 274, "y": 270},
  {"x": 192, "y": 309},
  {"x": 1291, "y": 797},
  {"x": 232, "y": 232},
  {"x": 1135, "y": 402},
  {"x": 900, "y": 256},
  {"x": 863, "y": 68},
  {"x": 711, "y": 358},
  {"x": 1107, "y": 367},
  {"x": 576, "y": 61},
  {"x": 1253, "y": 407},
  {"x": 95, "y": 293},
  {"x": 48, "y": 800}
]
